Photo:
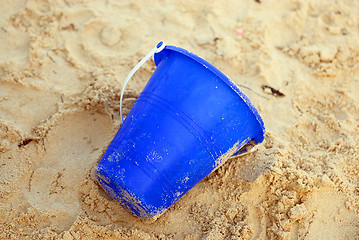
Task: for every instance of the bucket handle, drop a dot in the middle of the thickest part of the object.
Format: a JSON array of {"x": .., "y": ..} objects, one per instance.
[
  {"x": 246, "y": 149},
  {"x": 159, "y": 47}
]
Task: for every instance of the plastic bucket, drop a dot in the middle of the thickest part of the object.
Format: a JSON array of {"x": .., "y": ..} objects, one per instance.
[{"x": 188, "y": 119}]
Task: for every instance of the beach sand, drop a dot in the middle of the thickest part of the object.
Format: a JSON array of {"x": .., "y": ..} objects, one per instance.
[{"x": 62, "y": 65}]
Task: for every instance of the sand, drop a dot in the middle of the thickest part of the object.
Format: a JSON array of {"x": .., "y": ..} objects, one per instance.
[{"x": 62, "y": 65}]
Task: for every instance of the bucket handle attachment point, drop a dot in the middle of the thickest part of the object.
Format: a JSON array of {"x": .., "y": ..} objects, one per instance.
[{"x": 159, "y": 47}]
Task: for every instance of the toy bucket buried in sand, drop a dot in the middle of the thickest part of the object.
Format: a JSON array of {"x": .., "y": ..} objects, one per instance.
[{"x": 186, "y": 122}]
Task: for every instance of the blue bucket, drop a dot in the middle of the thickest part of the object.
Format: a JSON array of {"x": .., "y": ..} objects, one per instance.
[{"x": 186, "y": 122}]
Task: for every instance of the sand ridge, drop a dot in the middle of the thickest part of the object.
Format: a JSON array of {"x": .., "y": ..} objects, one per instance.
[{"x": 62, "y": 64}]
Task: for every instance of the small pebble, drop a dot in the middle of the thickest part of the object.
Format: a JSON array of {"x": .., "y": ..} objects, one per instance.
[{"x": 240, "y": 31}]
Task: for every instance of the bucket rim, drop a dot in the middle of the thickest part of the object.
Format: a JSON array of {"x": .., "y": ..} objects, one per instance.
[{"x": 160, "y": 56}]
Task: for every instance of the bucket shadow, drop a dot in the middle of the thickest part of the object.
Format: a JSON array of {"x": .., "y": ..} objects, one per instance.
[{"x": 250, "y": 167}]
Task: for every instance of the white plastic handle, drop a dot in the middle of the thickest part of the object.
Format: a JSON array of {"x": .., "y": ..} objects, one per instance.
[{"x": 159, "y": 47}]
